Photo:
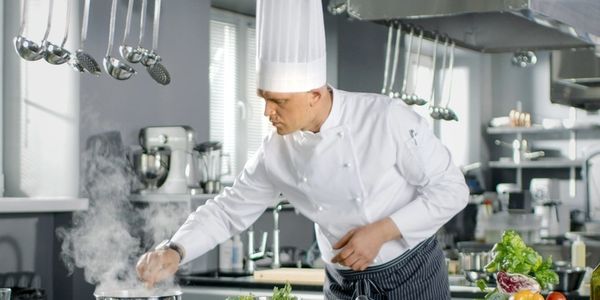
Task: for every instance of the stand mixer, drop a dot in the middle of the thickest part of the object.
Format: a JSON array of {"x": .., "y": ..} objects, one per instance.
[{"x": 177, "y": 144}]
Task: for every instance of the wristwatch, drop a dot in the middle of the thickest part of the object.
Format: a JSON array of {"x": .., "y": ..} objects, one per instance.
[{"x": 168, "y": 244}]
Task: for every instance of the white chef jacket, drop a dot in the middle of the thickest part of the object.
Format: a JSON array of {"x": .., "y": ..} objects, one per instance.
[{"x": 373, "y": 158}]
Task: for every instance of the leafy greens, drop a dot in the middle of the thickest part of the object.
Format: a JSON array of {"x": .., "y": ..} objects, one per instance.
[{"x": 512, "y": 255}]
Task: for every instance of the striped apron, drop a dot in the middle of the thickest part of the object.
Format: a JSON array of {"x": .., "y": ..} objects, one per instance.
[{"x": 419, "y": 273}]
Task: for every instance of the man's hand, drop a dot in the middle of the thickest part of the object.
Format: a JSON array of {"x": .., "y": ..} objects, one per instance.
[
  {"x": 360, "y": 245},
  {"x": 157, "y": 265}
]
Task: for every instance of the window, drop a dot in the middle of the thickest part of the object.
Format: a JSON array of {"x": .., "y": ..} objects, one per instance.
[
  {"x": 454, "y": 135},
  {"x": 236, "y": 112}
]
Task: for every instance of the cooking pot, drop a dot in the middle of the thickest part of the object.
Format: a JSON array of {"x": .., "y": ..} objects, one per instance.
[
  {"x": 138, "y": 294},
  {"x": 472, "y": 264}
]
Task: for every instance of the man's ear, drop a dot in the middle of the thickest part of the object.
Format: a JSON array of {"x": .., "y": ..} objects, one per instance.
[{"x": 316, "y": 96}]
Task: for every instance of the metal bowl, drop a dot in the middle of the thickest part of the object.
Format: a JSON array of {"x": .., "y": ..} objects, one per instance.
[
  {"x": 569, "y": 279},
  {"x": 152, "y": 167}
]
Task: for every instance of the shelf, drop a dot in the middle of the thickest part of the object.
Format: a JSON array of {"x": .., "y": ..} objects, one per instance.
[
  {"x": 537, "y": 164},
  {"x": 539, "y": 129},
  {"x": 42, "y": 205}
]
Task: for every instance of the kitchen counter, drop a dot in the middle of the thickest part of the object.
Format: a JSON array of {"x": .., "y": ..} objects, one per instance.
[
  {"x": 220, "y": 286},
  {"x": 42, "y": 204}
]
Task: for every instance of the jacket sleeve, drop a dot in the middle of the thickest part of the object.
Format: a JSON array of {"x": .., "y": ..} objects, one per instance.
[
  {"x": 426, "y": 164},
  {"x": 232, "y": 211}
]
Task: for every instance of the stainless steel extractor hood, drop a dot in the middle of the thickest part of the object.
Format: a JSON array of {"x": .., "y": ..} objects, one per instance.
[
  {"x": 576, "y": 78},
  {"x": 494, "y": 25}
]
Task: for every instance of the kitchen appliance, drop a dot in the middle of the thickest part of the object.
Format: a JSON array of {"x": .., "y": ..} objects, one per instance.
[
  {"x": 167, "y": 165},
  {"x": 494, "y": 26},
  {"x": 210, "y": 159},
  {"x": 546, "y": 194},
  {"x": 575, "y": 77}
]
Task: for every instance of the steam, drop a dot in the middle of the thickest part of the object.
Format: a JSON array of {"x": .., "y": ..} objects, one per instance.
[{"x": 107, "y": 239}]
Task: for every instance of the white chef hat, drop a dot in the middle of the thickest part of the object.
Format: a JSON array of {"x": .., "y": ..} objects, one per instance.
[{"x": 290, "y": 45}]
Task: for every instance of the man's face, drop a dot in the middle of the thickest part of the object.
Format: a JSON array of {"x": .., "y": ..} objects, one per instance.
[{"x": 288, "y": 112}]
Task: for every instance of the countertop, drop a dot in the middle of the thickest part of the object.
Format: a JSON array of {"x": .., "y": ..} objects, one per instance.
[
  {"x": 248, "y": 282},
  {"x": 42, "y": 204}
]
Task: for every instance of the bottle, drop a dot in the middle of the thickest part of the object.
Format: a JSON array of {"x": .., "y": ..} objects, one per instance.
[
  {"x": 237, "y": 254},
  {"x": 595, "y": 284},
  {"x": 578, "y": 253},
  {"x": 225, "y": 255}
]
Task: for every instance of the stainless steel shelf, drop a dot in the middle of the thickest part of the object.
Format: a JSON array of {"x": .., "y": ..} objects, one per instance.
[
  {"x": 537, "y": 129},
  {"x": 537, "y": 164}
]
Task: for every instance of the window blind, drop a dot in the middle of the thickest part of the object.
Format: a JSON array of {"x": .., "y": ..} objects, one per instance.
[{"x": 236, "y": 112}]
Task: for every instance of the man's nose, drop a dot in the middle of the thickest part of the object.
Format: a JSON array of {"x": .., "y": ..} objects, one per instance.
[{"x": 268, "y": 109}]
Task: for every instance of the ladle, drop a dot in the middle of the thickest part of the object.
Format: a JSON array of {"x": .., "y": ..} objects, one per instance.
[
  {"x": 404, "y": 95},
  {"x": 395, "y": 63},
  {"x": 113, "y": 66},
  {"x": 57, "y": 55},
  {"x": 448, "y": 114},
  {"x": 84, "y": 59},
  {"x": 26, "y": 48},
  {"x": 388, "y": 50},
  {"x": 435, "y": 111},
  {"x": 130, "y": 53},
  {"x": 414, "y": 98},
  {"x": 157, "y": 70},
  {"x": 433, "y": 72}
]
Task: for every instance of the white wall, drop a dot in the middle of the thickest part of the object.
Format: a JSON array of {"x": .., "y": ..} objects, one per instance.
[
  {"x": 41, "y": 110},
  {"x": 109, "y": 104}
]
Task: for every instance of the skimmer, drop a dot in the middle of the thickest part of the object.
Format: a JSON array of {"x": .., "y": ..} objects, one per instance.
[
  {"x": 157, "y": 70},
  {"x": 85, "y": 59}
]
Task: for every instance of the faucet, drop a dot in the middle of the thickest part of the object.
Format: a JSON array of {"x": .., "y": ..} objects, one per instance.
[
  {"x": 252, "y": 255},
  {"x": 278, "y": 208}
]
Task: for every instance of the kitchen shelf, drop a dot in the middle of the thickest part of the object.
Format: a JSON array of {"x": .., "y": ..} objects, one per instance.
[
  {"x": 42, "y": 204},
  {"x": 539, "y": 129},
  {"x": 538, "y": 164}
]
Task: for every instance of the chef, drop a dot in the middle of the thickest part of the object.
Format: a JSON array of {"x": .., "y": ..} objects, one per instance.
[{"x": 366, "y": 169}]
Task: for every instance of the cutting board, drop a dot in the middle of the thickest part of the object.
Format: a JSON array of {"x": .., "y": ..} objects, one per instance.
[{"x": 291, "y": 275}]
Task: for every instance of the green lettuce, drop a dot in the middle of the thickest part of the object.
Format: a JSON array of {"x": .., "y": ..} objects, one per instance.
[{"x": 512, "y": 255}]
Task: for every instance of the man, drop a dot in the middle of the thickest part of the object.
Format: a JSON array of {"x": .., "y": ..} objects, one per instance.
[{"x": 365, "y": 168}]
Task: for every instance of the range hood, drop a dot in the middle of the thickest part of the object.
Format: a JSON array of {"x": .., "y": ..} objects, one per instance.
[
  {"x": 493, "y": 25},
  {"x": 576, "y": 78}
]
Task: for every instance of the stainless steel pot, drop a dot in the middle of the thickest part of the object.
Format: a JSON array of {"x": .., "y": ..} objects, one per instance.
[
  {"x": 472, "y": 264},
  {"x": 138, "y": 294},
  {"x": 473, "y": 261}
]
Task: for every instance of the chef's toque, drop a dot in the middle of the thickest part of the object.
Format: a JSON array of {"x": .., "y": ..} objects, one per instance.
[{"x": 290, "y": 45}]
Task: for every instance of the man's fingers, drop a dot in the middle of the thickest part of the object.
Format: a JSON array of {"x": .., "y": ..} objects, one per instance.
[
  {"x": 342, "y": 255},
  {"x": 344, "y": 240}
]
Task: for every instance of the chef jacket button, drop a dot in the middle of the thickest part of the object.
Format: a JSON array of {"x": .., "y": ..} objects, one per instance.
[
  {"x": 304, "y": 179},
  {"x": 347, "y": 165},
  {"x": 375, "y": 260},
  {"x": 358, "y": 199},
  {"x": 340, "y": 134},
  {"x": 320, "y": 208}
]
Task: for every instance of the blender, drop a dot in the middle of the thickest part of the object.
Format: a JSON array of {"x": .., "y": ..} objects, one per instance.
[{"x": 210, "y": 166}]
